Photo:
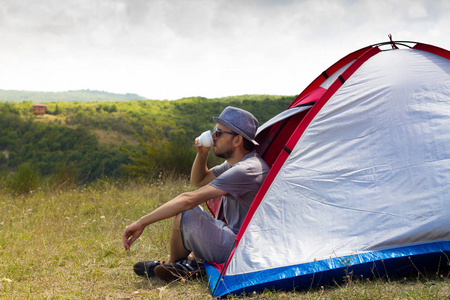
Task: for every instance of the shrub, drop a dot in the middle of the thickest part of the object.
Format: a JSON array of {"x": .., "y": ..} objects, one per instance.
[
  {"x": 25, "y": 180},
  {"x": 65, "y": 176}
]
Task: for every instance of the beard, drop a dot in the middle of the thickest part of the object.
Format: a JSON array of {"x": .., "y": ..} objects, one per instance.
[{"x": 223, "y": 153}]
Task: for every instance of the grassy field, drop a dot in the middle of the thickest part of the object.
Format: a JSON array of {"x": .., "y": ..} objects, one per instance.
[{"x": 66, "y": 244}]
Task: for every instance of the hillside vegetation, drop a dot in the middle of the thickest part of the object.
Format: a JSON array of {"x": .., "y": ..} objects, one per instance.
[{"x": 82, "y": 142}]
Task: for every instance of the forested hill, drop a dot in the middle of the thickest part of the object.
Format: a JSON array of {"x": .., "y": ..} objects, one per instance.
[
  {"x": 111, "y": 139},
  {"x": 69, "y": 96}
]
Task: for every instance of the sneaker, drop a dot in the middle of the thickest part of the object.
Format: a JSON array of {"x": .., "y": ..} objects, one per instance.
[
  {"x": 186, "y": 268},
  {"x": 146, "y": 268}
]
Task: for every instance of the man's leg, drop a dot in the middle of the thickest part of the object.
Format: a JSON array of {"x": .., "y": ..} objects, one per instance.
[
  {"x": 207, "y": 238},
  {"x": 177, "y": 250}
]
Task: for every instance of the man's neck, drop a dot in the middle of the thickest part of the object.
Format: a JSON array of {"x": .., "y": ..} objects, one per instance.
[{"x": 237, "y": 157}]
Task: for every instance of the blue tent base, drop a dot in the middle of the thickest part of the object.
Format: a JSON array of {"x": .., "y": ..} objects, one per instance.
[{"x": 422, "y": 259}]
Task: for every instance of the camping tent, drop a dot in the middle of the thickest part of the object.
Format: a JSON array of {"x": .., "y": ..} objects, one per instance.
[{"x": 359, "y": 179}]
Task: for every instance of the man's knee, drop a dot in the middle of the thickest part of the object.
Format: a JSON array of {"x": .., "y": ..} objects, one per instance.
[{"x": 188, "y": 216}]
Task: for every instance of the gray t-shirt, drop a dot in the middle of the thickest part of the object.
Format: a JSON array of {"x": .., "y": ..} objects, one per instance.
[{"x": 241, "y": 182}]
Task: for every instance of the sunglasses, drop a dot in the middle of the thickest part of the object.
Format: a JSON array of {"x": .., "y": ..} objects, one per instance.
[{"x": 219, "y": 132}]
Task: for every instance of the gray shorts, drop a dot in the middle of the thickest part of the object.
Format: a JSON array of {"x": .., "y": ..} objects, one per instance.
[{"x": 208, "y": 238}]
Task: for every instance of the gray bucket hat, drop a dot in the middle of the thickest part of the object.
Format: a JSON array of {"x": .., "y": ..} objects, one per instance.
[{"x": 240, "y": 121}]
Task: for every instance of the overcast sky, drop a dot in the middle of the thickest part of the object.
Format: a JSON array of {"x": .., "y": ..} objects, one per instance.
[{"x": 170, "y": 49}]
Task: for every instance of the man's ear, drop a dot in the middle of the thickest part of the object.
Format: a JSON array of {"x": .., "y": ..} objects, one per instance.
[{"x": 238, "y": 141}]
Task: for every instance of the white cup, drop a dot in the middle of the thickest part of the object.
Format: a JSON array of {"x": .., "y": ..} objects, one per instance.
[{"x": 206, "y": 139}]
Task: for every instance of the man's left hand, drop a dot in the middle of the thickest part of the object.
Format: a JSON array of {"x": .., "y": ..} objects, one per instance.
[{"x": 131, "y": 233}]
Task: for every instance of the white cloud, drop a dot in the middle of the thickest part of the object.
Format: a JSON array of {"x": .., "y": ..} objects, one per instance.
[{"x": 172, "y": 49}]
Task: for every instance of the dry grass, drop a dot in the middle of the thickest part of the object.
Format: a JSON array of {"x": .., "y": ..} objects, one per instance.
[
  {"x": 66, "y": 244},
  {"x": 111, "y": 137},
  {"x": 105, "y": 137}
]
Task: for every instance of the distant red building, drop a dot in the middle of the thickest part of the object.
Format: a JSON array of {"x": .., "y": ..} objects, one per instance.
[{"x": 39, "y": 109}]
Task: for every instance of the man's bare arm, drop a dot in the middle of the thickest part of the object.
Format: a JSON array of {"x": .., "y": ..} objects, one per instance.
[
  {"x": 200, "y": 174},
  {"x": 169, "y": 209}
]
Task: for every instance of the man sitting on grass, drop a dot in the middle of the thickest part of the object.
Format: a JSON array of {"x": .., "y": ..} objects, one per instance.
[{"x": 194, "y": 230}]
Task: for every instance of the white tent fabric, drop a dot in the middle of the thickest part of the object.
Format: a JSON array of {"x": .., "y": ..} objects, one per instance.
[
  {"x": 282, "y": 116},
  {"x": 327, "y": 83},
  {"x": 370, "y": 172}
]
